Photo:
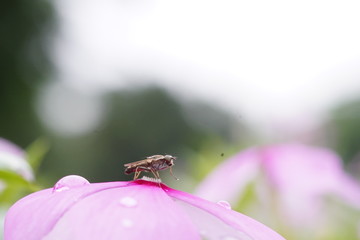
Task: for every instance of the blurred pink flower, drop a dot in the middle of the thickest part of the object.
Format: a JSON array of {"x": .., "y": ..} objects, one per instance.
[
  {"x": 13, "y": 158},
  {"x": 141, "y": 209},
  {"x": 298, "y": 179}
]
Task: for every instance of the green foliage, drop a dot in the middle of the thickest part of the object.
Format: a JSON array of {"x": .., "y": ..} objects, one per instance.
[
  {"x": 344, "y": 123},
  {"x": 15, "y": 187},
  {"x": 35, "y": 153},
  {"x": 23, "y": 25},
  {"x": 138, "y": 123},
  {"x": 247, "y": 197}
]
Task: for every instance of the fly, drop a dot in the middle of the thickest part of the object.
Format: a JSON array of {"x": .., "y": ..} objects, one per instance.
[{"x": 151, "y": 164}]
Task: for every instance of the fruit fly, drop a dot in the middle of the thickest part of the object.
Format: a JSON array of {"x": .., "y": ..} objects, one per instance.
[{"x": 151, "y": 164}]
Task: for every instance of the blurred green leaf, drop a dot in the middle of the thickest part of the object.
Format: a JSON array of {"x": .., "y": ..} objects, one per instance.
[
  {"x": 247, "y": 197},
  {"x": 15, "y": 187},
  {"x": 11, "y": 178},
  {"x": 36, "y": 152},
  {"x": 8, "y": 176}
]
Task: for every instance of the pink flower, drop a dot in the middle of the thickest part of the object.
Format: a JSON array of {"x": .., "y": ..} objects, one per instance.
[
  {"x": 141, "y": 209},
  {"x": 13, "y": 158},
  {"x": 292, "y": 181}
]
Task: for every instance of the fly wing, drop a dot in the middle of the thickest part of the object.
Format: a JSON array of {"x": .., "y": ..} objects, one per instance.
[
  {"x": 155, "y": 157},
  {"x": 132, "y": 164}
]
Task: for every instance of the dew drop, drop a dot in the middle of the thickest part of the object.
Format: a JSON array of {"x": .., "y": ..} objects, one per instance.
[
  {"x": 224, "y": 204},
  {"x": 127, "y": 223},
  {"x": 128, "y": 202},
  {"x": 69, "y": 182},
  {"x": 203, "y": 234}
]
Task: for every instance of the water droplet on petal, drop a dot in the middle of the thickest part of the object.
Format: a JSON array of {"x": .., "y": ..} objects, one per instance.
[
  {"x": 224, "y": 204},
  {"x": 127, "y": 223},
  {"x": 68, "y": 182},
  {"x": 203, "y": 234},
  {"x": 128, "y": 202}
]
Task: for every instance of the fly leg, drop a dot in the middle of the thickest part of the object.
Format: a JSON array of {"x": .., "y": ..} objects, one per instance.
[
  {"x": 171, "y": 172},
  {"x": 155, "y": 173},
  {"x": 137, "y": 173},
  {"x": 157, "y": 176}
]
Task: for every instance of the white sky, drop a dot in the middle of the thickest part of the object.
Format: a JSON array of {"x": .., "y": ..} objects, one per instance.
[{"x": 270, "y": 61}]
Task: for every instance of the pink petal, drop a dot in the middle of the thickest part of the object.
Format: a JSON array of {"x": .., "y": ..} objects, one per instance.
[
  {"x": 230, "y": 178},
  {"x": 76, "y": 209},
  {"x": 302, "y": 168},
  {"x": 13, "y": 158},
  {"x": 35, "y": 215},
  {"x": 9, "y": 147},
  {"x": 349, "y": 191},
  {"x": 98, "y": 211},
  {"x": 302, "y": 176},
  {"x": 215, "y": 221},
  {"x": 138, "y": 211}
]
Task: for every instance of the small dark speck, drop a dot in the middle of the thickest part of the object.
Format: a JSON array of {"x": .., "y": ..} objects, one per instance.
[{"x": 222, "y": 154}]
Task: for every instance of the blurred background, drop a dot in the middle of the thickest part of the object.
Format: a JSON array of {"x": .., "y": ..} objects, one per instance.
[
  {"x": 112, "y": 82},
  {"x": 103, "y": 83}
]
